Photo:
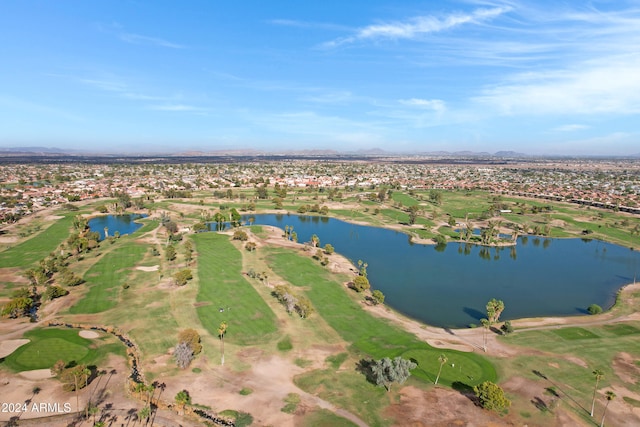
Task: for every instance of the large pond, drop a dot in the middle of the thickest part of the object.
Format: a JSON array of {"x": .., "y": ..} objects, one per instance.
[
  {"x": 450, "y": 286},
  {"x": 123, "y": 224}
]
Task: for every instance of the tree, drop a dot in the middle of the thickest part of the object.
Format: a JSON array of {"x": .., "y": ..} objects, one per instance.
[
  {"x": 491, "y": 396},
  {"x": 188, "y": 251},
  {"x": 386, "y": 371},
  {"x": 222, "y": 329},
  {"x": 442, "y": 359},
  {"x": 219, "y": 220},
  {"x": 328, "y": 249},
  {"x": 182, "y": 277},
  {"x": 594, "y": 309},
  {"x": 53, "y": 292},
  {"x": 377, "y": 296},
  {"x": 494, "y": 310},
  {"x": 192, "y": 338},
  {"x": 598, "y": 374},
  {"x": 315, "y": 241},
  {"x": 435, "y": 197},
  {"x": 360, "y": 283},
  {"x": 304, "y": 307},
  {"x": 486, "y": 325},
  {"x": 609, "y": 396},
  {"x": 183, "y": 354},
  {"x": 507, "y": 328},
  {"x": 413, "y": 213},
  {"x": 183, "y": 399},
  {"x": 73, "y": 378},
  {"x": 285, "y": 296},
  {"x": 144, "y": 413},
  {"x": 69, "y": 278},
  {"x": 170, "y": 253},
  {"x": 236, "y": 218},
  {"x": 240, "y": 235}
]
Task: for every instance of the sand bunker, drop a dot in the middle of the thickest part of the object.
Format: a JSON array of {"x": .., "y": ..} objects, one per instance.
[
  {"x": 37, "y": 374},
  {"x": 449, "y": 345},
  {"x": 9, "y": 346},
  {"x": 152, "y": 268},
  {"x": 89, "y": 334}
]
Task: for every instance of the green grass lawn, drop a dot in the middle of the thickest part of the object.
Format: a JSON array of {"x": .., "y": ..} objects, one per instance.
[
  {"x": 31, "y": 251},
  {"x": 594, "y": 347},
  {"x": 49, "y": 345},
  {"x": 222, "y": 285},
  {"x": 347, "y": 389},
  {"x": 571, "y": 334},
  {"x": 105, "y": 278},
  {"x": 325, "y": 418},
  {"x": 371, "y": 336},
  {"x": 404, "y": 198}
]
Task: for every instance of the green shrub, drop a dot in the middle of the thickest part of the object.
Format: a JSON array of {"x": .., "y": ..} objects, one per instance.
[
  {"x": 594, "y": 309},
  {"x": 360, "y": 283}
]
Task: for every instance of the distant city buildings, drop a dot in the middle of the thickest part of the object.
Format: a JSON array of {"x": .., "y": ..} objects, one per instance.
[{"x": 25, "y": 188}]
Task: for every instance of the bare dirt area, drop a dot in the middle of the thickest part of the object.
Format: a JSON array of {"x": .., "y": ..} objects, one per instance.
[
  {"x": 44, "y": 397},
  {"x": 626, "y": 369},
  {"x": 270, "y": 380},
  {"x": 12, "y": 275},
  {"x": 441, "y": 407}
]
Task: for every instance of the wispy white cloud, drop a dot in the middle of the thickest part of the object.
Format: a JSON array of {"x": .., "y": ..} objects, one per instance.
[
  {"x": 418, "y": 26},
  {"x": 146, "y": 40},
  {"x": 609, "y": 85},
  {"x": 120, "y": 88},
  {"x": 330, "y": 97},
  {"x": 429, "y": 104},
  {"x": 570, "y": 128}
]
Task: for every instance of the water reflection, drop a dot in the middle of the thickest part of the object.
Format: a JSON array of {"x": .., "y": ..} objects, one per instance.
[{"x": 550, "y": 277}]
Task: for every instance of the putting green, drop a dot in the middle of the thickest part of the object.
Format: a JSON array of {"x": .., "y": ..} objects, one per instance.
[
  {"x": 47, "y": 346},
  {"x": 45, "y": 353}
]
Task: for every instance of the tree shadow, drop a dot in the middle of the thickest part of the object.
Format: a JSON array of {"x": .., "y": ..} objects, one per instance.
[
  {"x": 364, "y": 366},
  {"x": 449, "y": 331},
  {"x": 540, "y": 374},
  {"x": 477, "y": 315},
  {"x": 466, "y": 390},
  {"x": 582, "y": 310},
  {"x": 540, "y": 404},
  {"x": 560, "y": 393},
  {"x": 495, "y": 330}
]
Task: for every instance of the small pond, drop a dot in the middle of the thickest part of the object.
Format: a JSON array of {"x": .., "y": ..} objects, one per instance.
[
  {"x": 449, "y": 286},
  {"x": 123, "y": 224}
]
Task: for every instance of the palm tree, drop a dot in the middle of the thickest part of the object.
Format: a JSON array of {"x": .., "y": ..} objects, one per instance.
[
  {"x": 494, "y": 310},
  {"x": 144, "y": 413},
  {"x": 183, "y": 399},
  {"x": 610, "y": 396},
  {"x": 442, "y": 359},
  {"x": 598, "y": 374},
  {"x": 221, "y": 331},
  {"x": 486, "y": 325}
]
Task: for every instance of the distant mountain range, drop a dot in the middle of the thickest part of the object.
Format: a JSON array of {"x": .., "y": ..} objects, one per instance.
[{"x": 373, "y": 152}]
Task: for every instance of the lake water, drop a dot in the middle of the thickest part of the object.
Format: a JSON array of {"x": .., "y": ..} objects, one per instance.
[
  {"x": 124, "y": 224},
  {"x": 450, "y": 286}
]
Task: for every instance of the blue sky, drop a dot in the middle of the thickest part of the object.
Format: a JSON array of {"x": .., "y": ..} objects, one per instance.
[{"x": 540, "y": 77}]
